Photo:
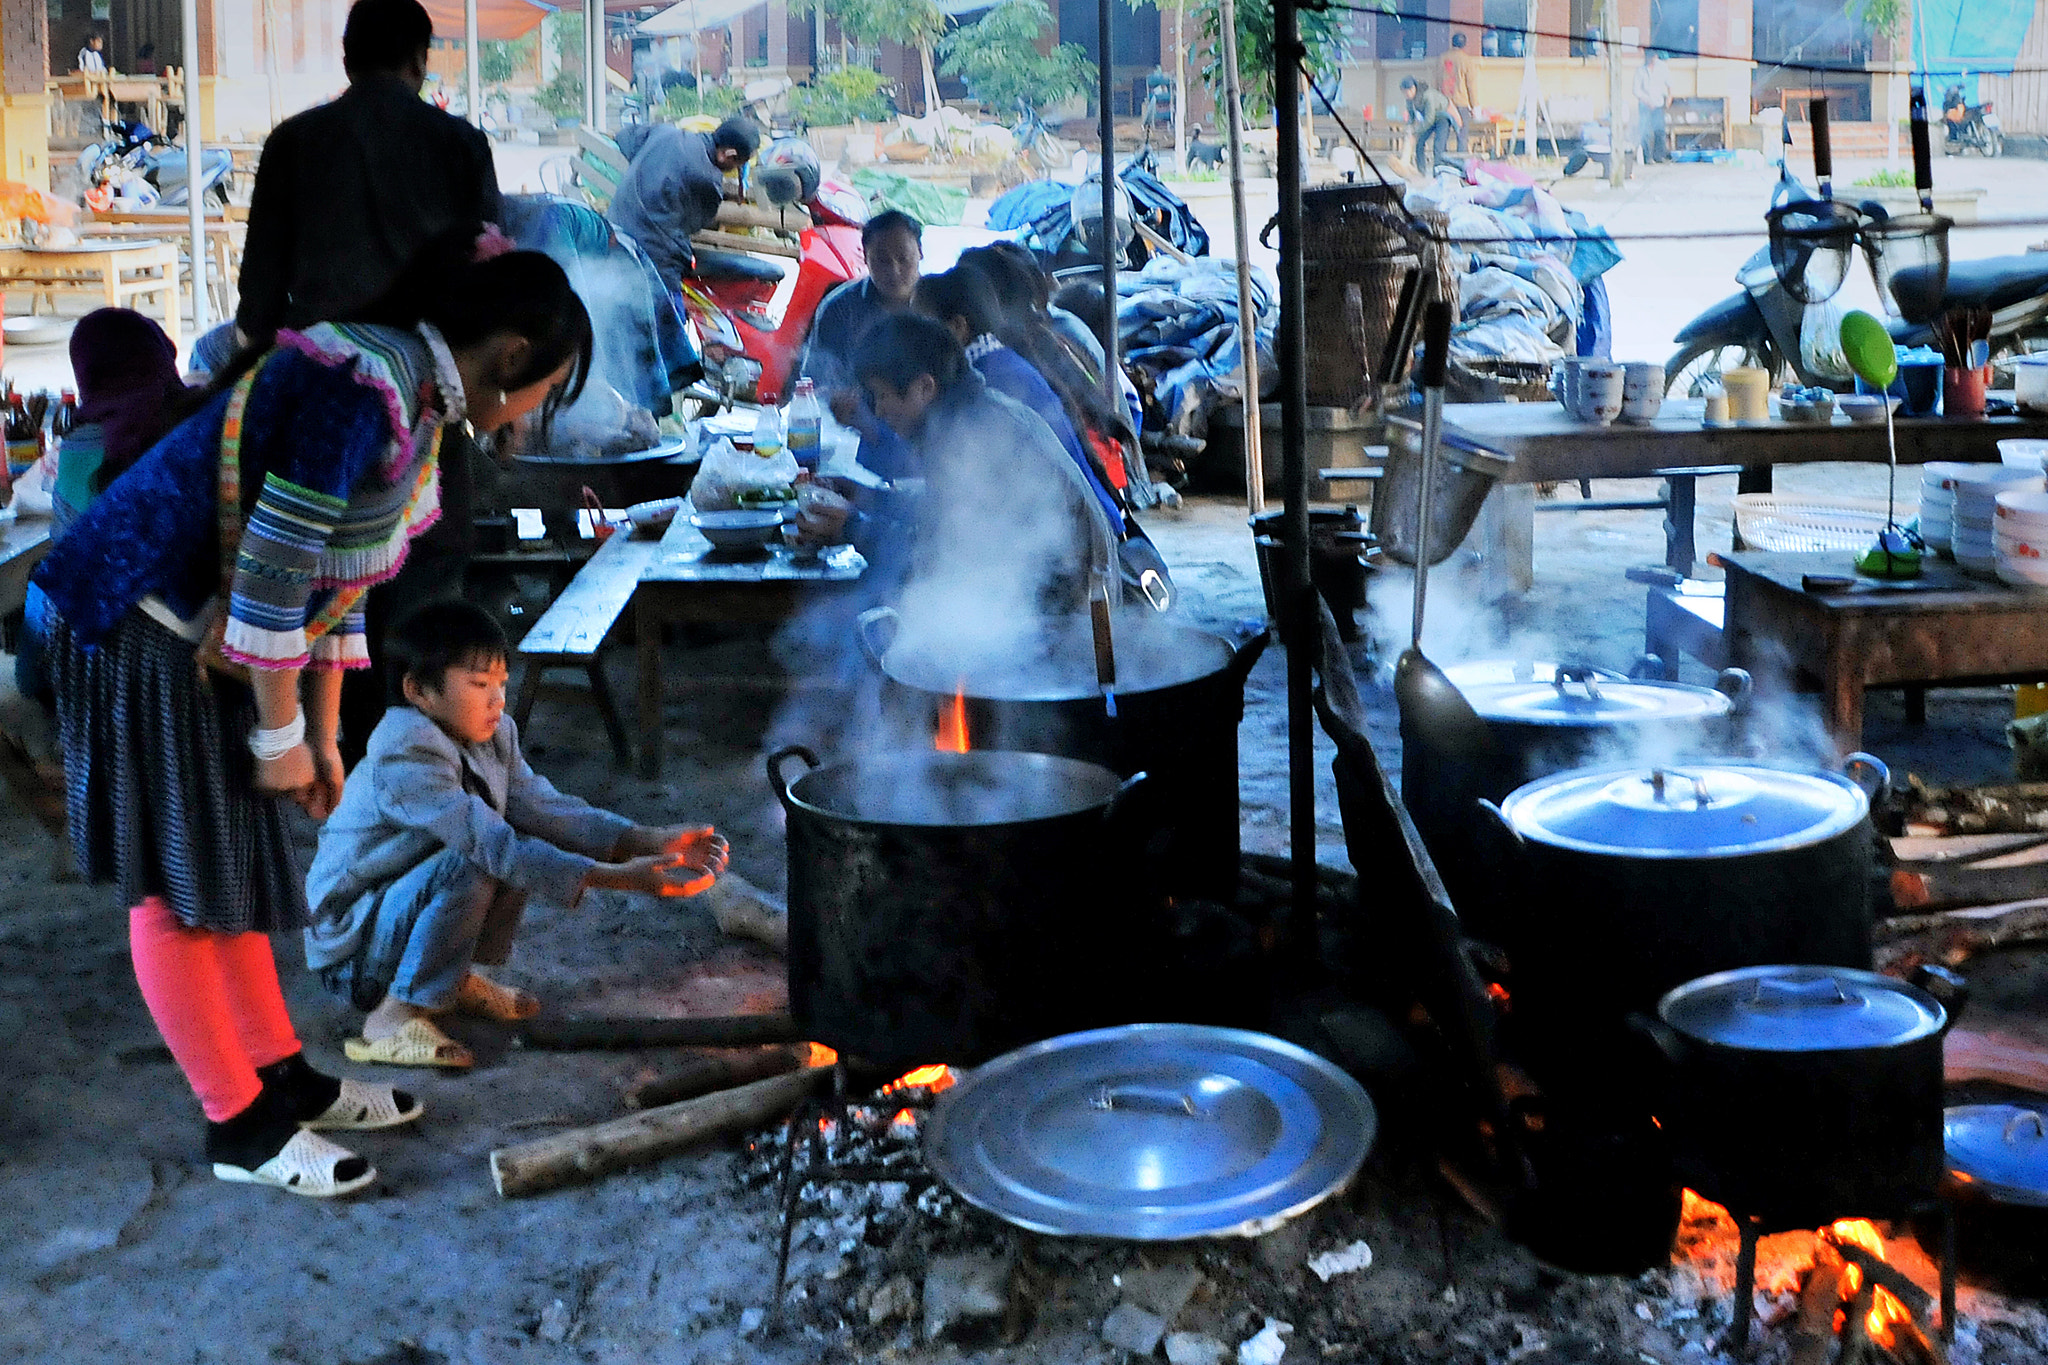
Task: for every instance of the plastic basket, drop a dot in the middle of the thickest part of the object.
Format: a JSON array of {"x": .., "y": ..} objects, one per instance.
[{"x": 1772, "y": 521}]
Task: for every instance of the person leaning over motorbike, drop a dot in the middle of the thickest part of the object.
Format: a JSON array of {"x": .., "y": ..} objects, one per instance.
[
  {"x": 893, "y": 242},
  {"x": 673, "y": 187},
  {"x": 1434, "y": 121}
]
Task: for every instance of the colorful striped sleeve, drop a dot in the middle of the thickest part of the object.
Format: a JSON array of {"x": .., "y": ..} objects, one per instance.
[{"x": 273, "y": 580}]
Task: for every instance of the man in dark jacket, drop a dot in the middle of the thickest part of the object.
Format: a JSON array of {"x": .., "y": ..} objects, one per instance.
[
  {"x": 348, "y": 191},
  {"x": 673, "y": 186}
]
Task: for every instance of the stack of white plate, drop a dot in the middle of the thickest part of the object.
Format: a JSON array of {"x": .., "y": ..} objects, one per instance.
[
  {"x": 2026, "y": 454},
  {"x": 1938, "y": 503},
  {"x": 2020, "y": 539},
  {"x": 1976, "y": 488}
]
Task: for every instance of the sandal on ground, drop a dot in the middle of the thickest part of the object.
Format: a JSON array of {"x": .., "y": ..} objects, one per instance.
[
  {"x": 488, "y": 999},
  {"x": 417, "y": 1043},
  {"x": 362, "y": 1107},
  {"x": 308, "y": 1165}
]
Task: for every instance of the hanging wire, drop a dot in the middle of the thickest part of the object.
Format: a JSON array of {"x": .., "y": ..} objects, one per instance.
[
  {"x": 1359, "y": 147},
  {"x": 1672, "y": 50}
]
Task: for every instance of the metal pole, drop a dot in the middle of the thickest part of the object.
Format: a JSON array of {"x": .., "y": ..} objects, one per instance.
[
  {"x": 593, "y": 64},
  {"x": 1610, "y": 33},
  {"x": 1298, "y": 629},
  {"x": 1180, "y": 88},
  {"x": 1112, "y": 373},
  {"x": 1247, "y": 320},
  {"x": 195, "y": 197},
  {"x": 471, "y": 70}
]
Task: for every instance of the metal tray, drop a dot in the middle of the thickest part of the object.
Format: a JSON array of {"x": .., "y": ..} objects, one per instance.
[
  {"x": 667, "y": 450},
  {"x": 1152, "y": 1132}
]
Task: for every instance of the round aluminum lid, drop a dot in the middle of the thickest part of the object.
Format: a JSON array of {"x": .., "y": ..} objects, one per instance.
[
  {"x": 1152, "y": 1132},
  {"x": 1801, "y": 1009},
  {"x": 1480, "y": 672},
  {"x": 2000, "y": 1149},
  {"x": 1593, "y": 702},
  {"x": 1689, "y": 810}
]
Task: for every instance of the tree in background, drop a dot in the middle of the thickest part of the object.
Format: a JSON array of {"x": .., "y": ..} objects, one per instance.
[
  {"x": 911, "y": 23},
  {"x": 1321, "y": 34},
  {"x": 840, "y": 94},
  {"x": 997, "y": 56},
  {"x": 563, "y": 96},
  {"x": 499, "y": 60}
]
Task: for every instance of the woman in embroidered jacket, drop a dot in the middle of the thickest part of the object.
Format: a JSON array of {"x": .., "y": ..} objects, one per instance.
[{"x": 204, "y": 606}]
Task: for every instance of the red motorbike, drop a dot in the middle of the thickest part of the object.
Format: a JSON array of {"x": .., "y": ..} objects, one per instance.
[{"x": 751, "y": 355}]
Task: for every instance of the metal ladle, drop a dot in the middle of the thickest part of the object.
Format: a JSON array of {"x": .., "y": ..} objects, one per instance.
[{"x": 1433, "y": 710}]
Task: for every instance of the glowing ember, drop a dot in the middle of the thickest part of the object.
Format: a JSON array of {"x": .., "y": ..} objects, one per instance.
[
  {"x": 934, "y": 1078},
  {"x": 820, "y": 1055},
  {"x": 1885, "y": 1308},
  {"x": 952, "y": 733}
]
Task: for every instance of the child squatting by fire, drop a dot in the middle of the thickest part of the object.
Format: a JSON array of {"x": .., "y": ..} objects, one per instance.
[{"x": 443, "y": 832}]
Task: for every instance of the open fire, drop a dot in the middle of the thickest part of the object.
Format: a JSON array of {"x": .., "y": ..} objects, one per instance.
[{"x": 951, "y": 737}]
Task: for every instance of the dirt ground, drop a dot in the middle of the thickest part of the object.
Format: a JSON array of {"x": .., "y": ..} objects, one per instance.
[{"x": 120, "y": 1246}]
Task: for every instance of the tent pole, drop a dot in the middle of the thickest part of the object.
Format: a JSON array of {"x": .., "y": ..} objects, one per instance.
[
  {"x": 195, "y": 157},
  {"x": 471, "y": 68},
  {"x": 1112, "y": 373},
  {"x": 1298, "y": 629},
  {"x": 593, "y": 64},
  {"x": 1247, "y": 319}
]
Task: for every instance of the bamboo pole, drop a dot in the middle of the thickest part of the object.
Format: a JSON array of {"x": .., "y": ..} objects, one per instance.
[
  {"x": 1247, "y": 318},
  {"x": 195, "y": 196},
  {"x": 585, "y": 1154}
]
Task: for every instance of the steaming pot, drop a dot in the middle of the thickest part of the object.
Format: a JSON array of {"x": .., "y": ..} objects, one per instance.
[
  {"x": 1179, "y": 698},
  {"x": 948, "y": 907},
  {"x": 1628, "y": 882},
  {"x": 1572, "y": 717}
]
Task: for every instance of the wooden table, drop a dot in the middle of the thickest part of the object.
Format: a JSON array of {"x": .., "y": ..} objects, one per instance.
[
  {"x": 224, "y": 240},
  {"x": 23, "y": 543},
  {"x": 691, "y": 583},
  {"x": 118, "y": 271},
  {"x": 1944, "y": 628}
]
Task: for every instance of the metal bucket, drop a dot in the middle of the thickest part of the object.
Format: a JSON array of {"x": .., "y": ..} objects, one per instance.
[{"x": 1462, "y": 483}]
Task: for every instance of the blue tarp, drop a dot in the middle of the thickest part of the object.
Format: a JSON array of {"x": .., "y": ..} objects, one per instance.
[{"x": 1960, "y": 38}]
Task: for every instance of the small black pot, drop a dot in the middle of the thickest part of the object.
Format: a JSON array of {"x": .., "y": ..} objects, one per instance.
[
  {"x": 1801, "y": 1094},
  {"x": 948, "y": 907}
]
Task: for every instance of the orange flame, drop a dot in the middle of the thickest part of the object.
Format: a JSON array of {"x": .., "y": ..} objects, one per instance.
[
  {"x": 933, "y": 1078},
  {"x": 820, "y": 1055},
  {"x": 1885, "y": 1308},
  {"x": 952, "y": 734}
]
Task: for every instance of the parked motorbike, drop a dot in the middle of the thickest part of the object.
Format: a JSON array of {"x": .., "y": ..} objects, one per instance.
[
  {"x": 1969, "y": 127},
  {"x": 132, "y": 161},
  {"x": 751, "y": 354},
  {"x": 1763, "y": 326}
]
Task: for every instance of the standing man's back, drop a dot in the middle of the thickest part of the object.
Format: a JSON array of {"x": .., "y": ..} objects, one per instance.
[{"x": 348, "y": 192}]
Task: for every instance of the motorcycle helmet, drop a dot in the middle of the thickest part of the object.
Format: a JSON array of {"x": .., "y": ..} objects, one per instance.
[
  {"x": 1085, "y": 209},
  {"x": 797, "y": 155}
]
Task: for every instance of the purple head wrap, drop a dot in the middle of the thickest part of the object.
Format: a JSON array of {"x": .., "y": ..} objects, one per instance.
[{"x": 127, "y": 372}]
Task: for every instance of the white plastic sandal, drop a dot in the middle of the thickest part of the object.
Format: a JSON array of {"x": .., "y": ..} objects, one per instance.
[
  {"x": 362, "y": 1107},
  {"x": 304, "y": 1166}
]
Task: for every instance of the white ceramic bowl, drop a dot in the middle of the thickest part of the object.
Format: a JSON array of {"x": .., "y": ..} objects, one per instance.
[
  {"x": 2023, "y": 505},
  {"x": 2023, "y": 454},
  {"x": 1865, "y": 408},
  {"x": 738, "y": 530}
]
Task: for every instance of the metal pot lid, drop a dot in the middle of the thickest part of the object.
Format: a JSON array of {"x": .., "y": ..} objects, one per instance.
[
  {"x": 1999, "y": 1149},
  {"x": 1152, "y": 1132},
  {"x": 1802, "y": 1009},
  {"x": 1692, "y": 810},
  {"x": 1479, "y": 672},
  {"x": 1580, "y": 697},
  {"x": 929, "y": 788}
]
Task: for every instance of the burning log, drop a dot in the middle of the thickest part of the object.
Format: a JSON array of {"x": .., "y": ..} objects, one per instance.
[
  {"x": 1814, "y": 1331},
  {"x": 1857, "y": 1347},
  {"x": 585, "y": 1154},
  {"x": 600, "y": 1032},
  {"x": 704, "y": 1074},
  {"x": 1953, "y": 936},
  {"x": 1878, "y": 1271}
]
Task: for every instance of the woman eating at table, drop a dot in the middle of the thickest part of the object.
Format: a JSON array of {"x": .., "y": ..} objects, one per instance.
[{"x": 202, "y": 610}]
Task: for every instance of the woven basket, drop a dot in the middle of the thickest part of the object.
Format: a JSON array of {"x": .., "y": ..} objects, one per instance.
[{"x": 1775, "y": 522}]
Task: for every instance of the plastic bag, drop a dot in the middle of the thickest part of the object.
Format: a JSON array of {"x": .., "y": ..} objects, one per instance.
[
  {"x": 33, "y": 490},
  {"x": 727, "y": 472},
  {"x": 1820, "y": 342}
]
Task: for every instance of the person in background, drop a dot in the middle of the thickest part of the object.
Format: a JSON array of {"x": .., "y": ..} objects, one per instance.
[
  {"x": 1653, "y": 97},
  {"x": 1595, "y": 146},
  {"x": 1434, "y": 121},
  {"x": 145, "y": 59},
  {"x": 1458, "y": 86},
  {"x": 893, "y": 243},
  {"x": 347, "y": 196},
  {"x": 673, "y": 186},
  {"x": 196, "y": 689},
  {"x": 425, "y": 867},
  {"x": 92, "y": 58}
]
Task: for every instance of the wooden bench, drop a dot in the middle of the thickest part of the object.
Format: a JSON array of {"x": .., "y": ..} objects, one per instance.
[
  {"x": 600, "y": 165},
  {"x": 571, "y": 632}
]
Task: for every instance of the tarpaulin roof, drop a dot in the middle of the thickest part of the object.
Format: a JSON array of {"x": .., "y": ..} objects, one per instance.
[
  {"x": 689, "y": 16},
  {"x": 495, "y": 19},
  {"x": 1957, "y": 36}
]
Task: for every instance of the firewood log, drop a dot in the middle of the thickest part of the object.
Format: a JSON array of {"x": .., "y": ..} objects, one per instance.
[
  {"x": 1968, "y": 1055},
  {"x": 1814, "y": 1331},
  {"x": 1877, "y": 1270},
  {"x": 704, "y": 1074},
  {"x": 1953, "y": 936},
  {"x": 585, "y": 1154}
]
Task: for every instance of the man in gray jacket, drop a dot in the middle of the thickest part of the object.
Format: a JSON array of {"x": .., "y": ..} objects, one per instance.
[
  {"x": 442, "y": 833},
  {"x": 673, "y": 185}
]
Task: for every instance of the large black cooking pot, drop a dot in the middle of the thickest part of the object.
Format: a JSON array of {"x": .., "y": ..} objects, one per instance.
[
  {"x": 1802, "y": 1094},
  {"x": 948, "y": 907},
  {"x": 1179, "y": 698},
  {"x": 1560, "y": 718},
  {"x": 1628, "y": 882}
]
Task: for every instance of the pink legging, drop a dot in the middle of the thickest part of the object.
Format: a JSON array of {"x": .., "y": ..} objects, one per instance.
[{"x": 216, "y": 1001}]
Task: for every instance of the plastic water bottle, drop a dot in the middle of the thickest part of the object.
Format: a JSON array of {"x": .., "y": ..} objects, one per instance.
[
  {"x": 768, "y": 432},
  {"x": 806, "y": 425}
]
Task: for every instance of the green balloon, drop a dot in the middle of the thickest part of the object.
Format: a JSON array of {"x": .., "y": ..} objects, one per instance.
[{"x": 1869, "y": 349}]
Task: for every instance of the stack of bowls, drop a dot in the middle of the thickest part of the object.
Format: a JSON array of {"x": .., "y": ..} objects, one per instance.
[
  {"x": 2021, "y": 538},
  {"x": 2024, "y": 454},
  {"x": 1938, "y": 504},
  {"x": 1976, "y": 488}
]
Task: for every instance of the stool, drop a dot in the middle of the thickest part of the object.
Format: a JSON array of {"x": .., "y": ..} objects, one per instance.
[{"x": 1678, "y": 501}]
